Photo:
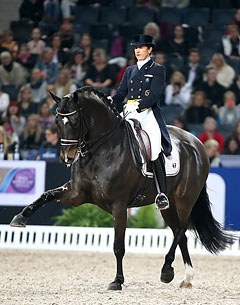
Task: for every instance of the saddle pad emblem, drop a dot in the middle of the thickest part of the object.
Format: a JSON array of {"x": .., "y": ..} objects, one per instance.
[{"x": 147, "y": 92}]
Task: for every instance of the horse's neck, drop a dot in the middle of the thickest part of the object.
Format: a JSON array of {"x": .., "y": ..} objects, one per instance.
[{"x": 103, "y": 123}]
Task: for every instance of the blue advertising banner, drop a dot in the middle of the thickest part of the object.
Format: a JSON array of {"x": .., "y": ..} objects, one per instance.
[{"x": 224, "y": 192}]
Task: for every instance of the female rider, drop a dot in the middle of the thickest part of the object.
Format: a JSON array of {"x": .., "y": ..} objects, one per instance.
[{"x": 142, "y": 86}]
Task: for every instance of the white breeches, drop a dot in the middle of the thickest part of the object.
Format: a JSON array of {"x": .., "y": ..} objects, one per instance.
[{"x": 150, "y": 125}]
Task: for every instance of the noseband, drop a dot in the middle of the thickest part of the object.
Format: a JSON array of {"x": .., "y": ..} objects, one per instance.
[{"x": 68, "y": 142}]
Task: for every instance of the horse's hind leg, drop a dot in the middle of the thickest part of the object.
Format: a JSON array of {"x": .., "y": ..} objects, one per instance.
[
  {"x": 186, "y": 283},
  {"x": 21, "y": 219},
  {"x": 167, "y": 272}
]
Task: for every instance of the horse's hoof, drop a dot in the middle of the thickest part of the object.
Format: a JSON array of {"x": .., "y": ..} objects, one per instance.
[
  {"x": 18, "y": 221},
  {"x": 167, "y": 277},
  {"x": 115, "y": 286},
  {"x": 185, "y": 285}
]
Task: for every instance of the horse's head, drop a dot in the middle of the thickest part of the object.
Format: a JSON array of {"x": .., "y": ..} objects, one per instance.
[
  {"x": 81, "y": 116},
  {"x": 72, "y": 126}
]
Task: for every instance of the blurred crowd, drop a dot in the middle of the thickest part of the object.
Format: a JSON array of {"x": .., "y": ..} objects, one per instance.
[{"x": 54, "y": 46}]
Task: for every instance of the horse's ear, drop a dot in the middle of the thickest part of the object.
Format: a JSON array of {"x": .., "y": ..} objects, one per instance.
[
  {"x": 75, "y": 97},
  {"x": 55, "y": 97}
]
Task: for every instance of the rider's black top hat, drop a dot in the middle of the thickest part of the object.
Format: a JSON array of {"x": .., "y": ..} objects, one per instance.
[{"x": 143, "y": 40}]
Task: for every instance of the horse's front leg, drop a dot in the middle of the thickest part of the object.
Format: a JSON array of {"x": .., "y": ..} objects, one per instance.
[
  {"x": 21, "y": 219},
  {"x": 120, "y": 221}
]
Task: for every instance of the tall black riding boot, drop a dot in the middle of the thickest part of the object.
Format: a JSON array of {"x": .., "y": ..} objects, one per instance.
[{"x": 161, "y": 199}]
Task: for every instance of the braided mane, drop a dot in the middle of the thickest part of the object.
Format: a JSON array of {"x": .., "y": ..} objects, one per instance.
[{"x": 107, "y": 101}]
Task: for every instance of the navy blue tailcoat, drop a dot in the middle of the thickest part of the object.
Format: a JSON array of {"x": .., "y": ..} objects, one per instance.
[{"x": 146, "y": 84}]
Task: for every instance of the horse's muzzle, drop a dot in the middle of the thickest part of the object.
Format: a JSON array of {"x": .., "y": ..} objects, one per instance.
[{"x": 68, "y": 155}]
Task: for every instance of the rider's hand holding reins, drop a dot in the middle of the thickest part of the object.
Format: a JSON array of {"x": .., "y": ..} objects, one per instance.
[{"x": 131, "y": 107}]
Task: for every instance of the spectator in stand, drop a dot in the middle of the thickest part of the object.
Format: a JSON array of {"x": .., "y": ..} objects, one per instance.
[
  {"x": 86, "y": 45},
  {"x": 100, "y": 74},
  {"x": 47, "y": 66},
  {"x": 235, "y": 87},
  {"x": 38, "y": 86},
  {"x": 66, "y": 8},
  {"x": 231, "y": 43},
  {"x": 2, "y": 49},
  {"x": 225, "y": 73},
  {"x": 25, "y": 58},
  {"x": 66, "y": 33},
  {"x": 45, "y": 116},
  {"x": 5, "y": 140},
  {"x": 27, "y": 106},
  {"x": 52, "y": 137},
  {"x": 178, "y": 92},
  {"x": 60, "y": 56},
  {"x": 231, "y": 47},
  {"x": 4, "y": 102},
  {"x": 64, "y": 85},
  {"x": 14, "y": 118},
  {"x": 178, "y": 46},
  {"x": 236, "y": 131},
  {"x": 152, "y": 29},
  {"x": 192, "y": 70},
  {"x": 36, "y": 45},
  {"x": 180, "y": 122},
  {"x": 52, "y": 17},
  {"x": 32, "y": 136},
  {"x": 230, "y": 112},
  {"x": 9, "y": 43},
  {"x": 210, "y": 132},
  {"x": 11, "y": 72},
  {"x": 236, "y": 19},
  {"x": 210, "y": 86},
  {"x": 231, "y": 147},
  {"x": 212, "y": 150},
  {"x": 198, "y": 109},
  {"x": 52, "y": 104},
  {"x": 123, "y": 63},
  {"x": 32, "y": 10},
  {"x": 161, "y": 58},
  {"x": 77, "y": 66}
]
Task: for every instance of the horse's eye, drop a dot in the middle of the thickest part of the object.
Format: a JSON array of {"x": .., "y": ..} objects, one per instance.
[{"x": 74, "y": 121}]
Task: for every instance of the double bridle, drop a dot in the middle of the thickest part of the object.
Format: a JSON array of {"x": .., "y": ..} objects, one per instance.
[{"x": 82, "y": 145}]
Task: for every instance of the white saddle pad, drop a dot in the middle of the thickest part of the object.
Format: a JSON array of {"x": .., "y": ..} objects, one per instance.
[{"x": 172, "y": 163}]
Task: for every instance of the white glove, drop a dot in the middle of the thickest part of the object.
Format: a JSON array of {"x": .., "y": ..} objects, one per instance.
[
  {"x": 110, "y": 98},
  {"x": 131, "y": 107}
]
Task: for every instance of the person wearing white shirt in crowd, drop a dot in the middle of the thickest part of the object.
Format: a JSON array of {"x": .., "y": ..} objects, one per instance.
[
  {"x": 178, "y": 92},
  {"x": 4, "y": 101},
  {"x": 225, "y": 73}
]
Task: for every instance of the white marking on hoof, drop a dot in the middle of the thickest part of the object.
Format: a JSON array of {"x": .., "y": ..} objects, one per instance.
[{"x": 187, "y": 281}]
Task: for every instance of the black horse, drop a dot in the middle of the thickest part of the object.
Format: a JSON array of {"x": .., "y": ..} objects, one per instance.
[{"x": 95, "y": 143}]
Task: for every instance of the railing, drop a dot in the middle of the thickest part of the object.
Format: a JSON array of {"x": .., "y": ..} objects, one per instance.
[{"x": 98, "y": 239}]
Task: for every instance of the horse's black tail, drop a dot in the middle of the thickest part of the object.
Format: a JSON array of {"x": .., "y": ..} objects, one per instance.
[{"x": 209, "y": 231}]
